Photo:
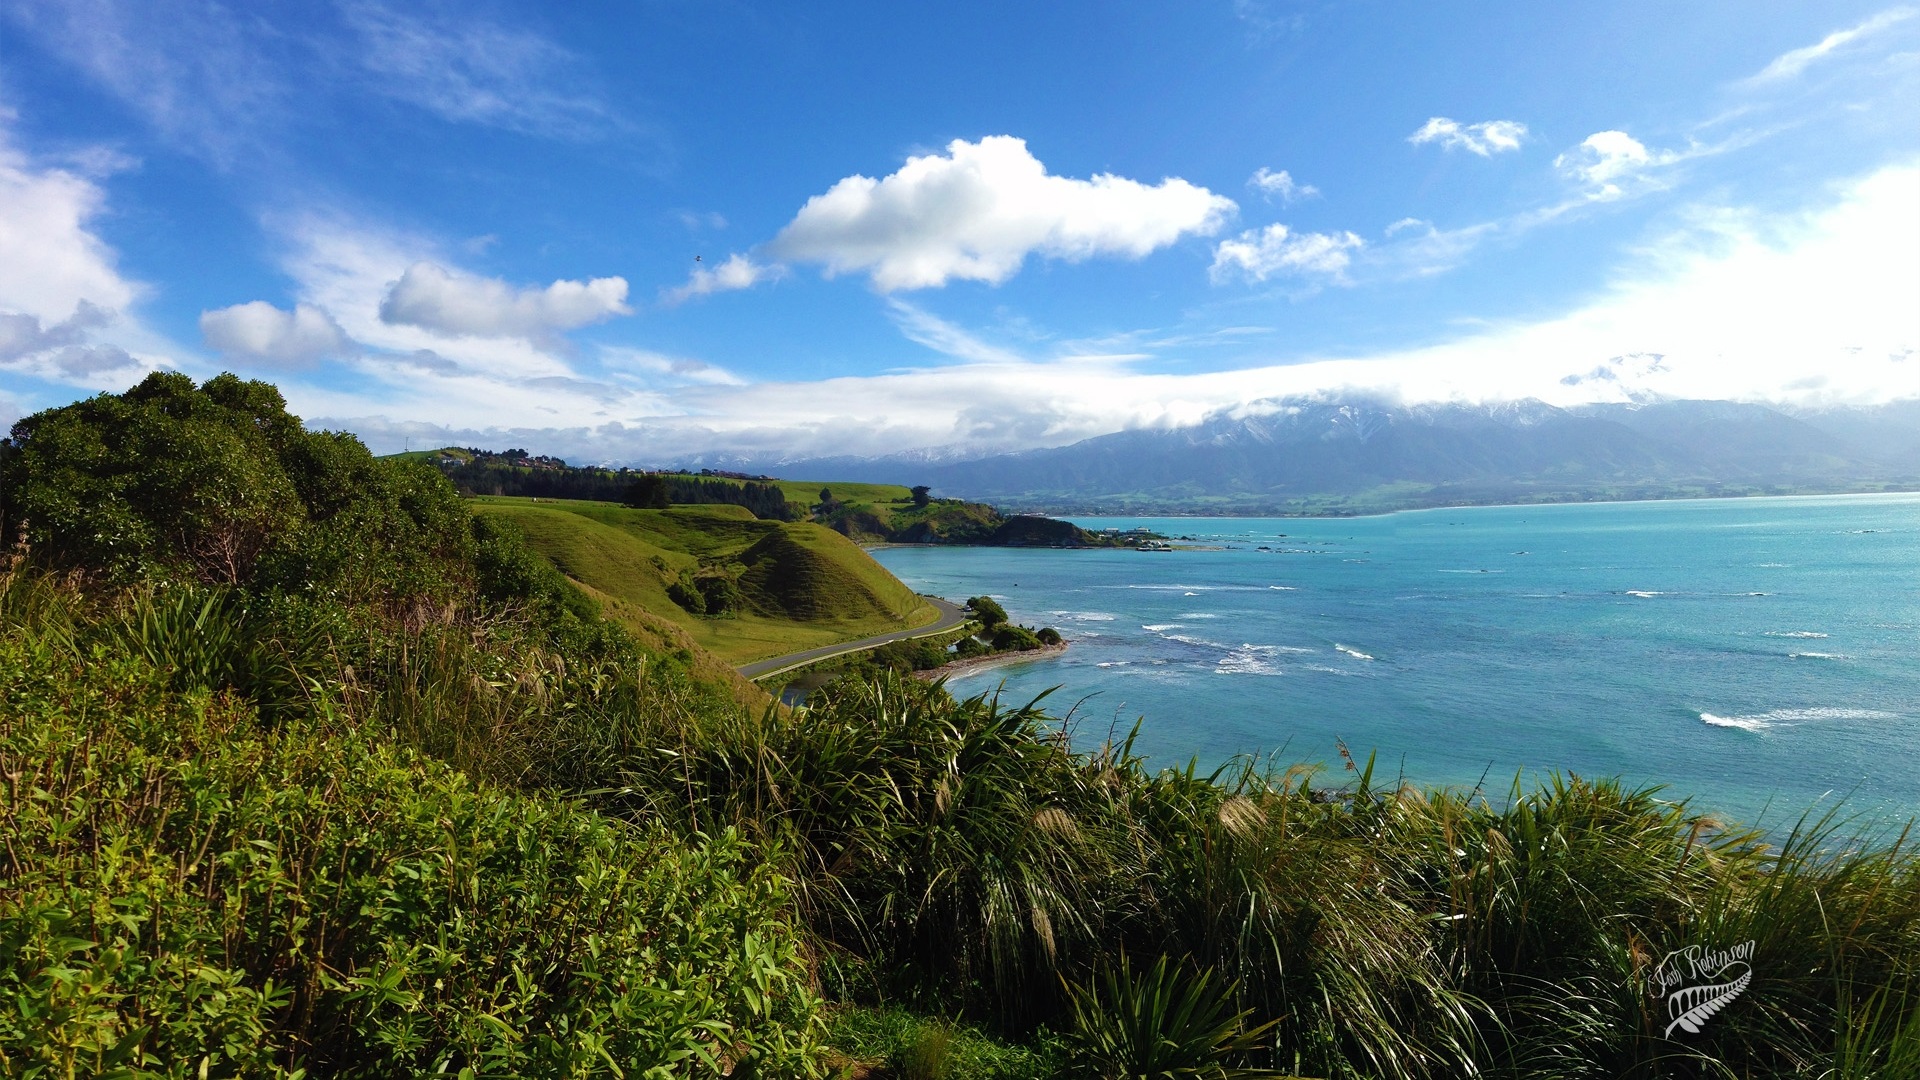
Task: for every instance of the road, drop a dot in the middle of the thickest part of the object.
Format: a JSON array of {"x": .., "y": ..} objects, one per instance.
[{"x": 951, "y": 617}]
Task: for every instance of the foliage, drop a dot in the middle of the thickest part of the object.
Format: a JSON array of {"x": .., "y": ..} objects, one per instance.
[
  {"x": 1008, "y": 637},
  {"x": 910, "y": 1045},
  {"x": 1162, "y": 1022},
  {"x": 514, "y": 474},
  {"x": 218, "y": 483},
  {"x": 647, "y": 493},
  {"x": 186, "y": 892},
  {"x": 987, "y": 610}
]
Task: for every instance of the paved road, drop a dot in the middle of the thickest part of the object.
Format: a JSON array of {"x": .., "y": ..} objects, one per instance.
[{"x": 950, "y": 619}]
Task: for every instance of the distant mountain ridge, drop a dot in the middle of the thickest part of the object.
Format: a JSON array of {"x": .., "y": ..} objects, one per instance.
[{"x": 1355, "y": 454}]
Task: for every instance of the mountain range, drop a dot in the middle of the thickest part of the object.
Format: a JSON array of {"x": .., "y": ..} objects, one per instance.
[{"x": 1357, "y": 454}]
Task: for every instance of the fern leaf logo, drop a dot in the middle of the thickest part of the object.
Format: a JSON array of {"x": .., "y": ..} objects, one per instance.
[{"x": 1692, "y": 1006}]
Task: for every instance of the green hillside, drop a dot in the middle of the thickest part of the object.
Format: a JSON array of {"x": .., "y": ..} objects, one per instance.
[{"x": 800, "y": 585}]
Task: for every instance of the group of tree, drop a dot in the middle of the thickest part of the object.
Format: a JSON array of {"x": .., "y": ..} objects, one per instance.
[
  {"x": 657, "y": 491},
  {"x": 514, "y": 473}
]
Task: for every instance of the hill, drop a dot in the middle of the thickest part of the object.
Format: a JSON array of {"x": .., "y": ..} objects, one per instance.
[
  {"x": 1356, "y": 455},
  {"x": 794, "y": 585}
]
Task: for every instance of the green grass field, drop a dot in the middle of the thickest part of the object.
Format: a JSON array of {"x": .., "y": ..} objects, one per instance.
[{"x": 804, "y": 586}]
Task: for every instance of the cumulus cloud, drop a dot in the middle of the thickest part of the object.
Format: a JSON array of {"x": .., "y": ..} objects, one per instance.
[
  {"x": 433, "y": 298},
  {"x": 50, "y": 259},
  {"x": 261, "y": 332},
  {"x": 1607, "y": 159},
  {"x": 738, "y": 272},
  {"x": 1487, "y": 138},
  {"x": 1258, "y": 254},
  {"x": 977, "y": 211},
  {"x": 1793, "y": 62},
  {"x": 1280, "y": 185}
]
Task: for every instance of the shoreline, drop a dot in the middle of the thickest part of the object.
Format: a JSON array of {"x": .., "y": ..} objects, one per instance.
[{"x": 982, "y": 663}]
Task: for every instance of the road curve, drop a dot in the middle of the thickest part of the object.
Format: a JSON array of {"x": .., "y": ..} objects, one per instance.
[{"x": 951, "y": 618}]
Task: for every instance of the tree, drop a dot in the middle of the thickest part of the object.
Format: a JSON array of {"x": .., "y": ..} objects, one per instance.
[
  {"x": 988, "y": 611},
  {"x": 921, "y": 495},
  {"x": 826, "y": 496},
  {"x": 219, "y": 482},
  {"x": 650, "y": 492}
]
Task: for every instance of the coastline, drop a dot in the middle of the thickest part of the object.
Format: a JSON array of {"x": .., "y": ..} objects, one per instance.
[{"x": 982, "y": 663}]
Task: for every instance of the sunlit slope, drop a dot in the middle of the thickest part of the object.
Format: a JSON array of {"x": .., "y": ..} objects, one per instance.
[{"x": 802, "y": 585}]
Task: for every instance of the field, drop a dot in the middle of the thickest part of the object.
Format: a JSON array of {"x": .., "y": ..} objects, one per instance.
[{"x": 804, "y": 585}]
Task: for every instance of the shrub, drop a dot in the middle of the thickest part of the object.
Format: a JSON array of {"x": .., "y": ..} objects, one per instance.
[
  {"x": 186, "y": 892},
  {"x": 987, "y": 610},
  {"x": 1006, "y": 637}
]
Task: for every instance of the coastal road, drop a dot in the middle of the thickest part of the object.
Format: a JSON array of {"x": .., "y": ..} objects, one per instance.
[{"x": 951, "y": 618}]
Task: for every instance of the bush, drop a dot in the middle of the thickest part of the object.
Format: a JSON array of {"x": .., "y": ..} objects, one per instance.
[
  {"x": 1007, "y": 637},
  {"x": 987, "y": 610},
  {"x": 185, "y": 891},
  {"x": 1049, "y": 636}
]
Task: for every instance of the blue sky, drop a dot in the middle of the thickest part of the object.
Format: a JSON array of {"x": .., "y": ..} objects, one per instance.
[{"x": 641, "y": 231}]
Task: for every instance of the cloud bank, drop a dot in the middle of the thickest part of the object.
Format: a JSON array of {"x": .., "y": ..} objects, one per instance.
[{"x": 979, "y": 210}]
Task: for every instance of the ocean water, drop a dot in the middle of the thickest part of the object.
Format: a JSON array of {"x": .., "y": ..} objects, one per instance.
[{"x": 1759, "y": 656}]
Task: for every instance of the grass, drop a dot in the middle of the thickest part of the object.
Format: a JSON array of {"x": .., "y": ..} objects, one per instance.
[{"x": 805, "y": 586}]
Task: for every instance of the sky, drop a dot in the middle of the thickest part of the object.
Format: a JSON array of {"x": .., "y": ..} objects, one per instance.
[{"x": 649, "y": 231}]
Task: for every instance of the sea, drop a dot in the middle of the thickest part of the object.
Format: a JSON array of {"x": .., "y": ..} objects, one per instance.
[{"x": 1758, "y": 657}]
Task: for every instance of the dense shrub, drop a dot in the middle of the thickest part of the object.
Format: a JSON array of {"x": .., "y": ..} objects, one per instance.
[{"x": 186, "y": 892}]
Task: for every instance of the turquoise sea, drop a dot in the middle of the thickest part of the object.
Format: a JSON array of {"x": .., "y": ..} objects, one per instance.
[{"x": 1761, "y": 656}]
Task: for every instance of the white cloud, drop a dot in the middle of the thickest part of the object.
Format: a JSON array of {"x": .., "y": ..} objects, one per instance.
[
  {"x": 1812, "y": 307},
  {"x": 923, "y": 327},
  {"x": 976, "y": 213},
  {"x": 62, "y": 300},
  {"x": 433, "y": 298},
  {"x": 1258, "y": 254},
  {"x": 261, "y": 332},
  {"x": 1485, "y": 139},
  {"x": 1793, "y": 62},
  {"x": 50, "y": 259},
  {"x": 1280, "y": 185},
  {"x": 470, "y": 70},
  {"x": 672, "y": 369},
  {"x": 1607, "y": 159},
  {"x": 199, "y": 73},
  {"x": 738, "y": 272}
]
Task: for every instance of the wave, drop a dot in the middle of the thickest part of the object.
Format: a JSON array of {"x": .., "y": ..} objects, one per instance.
[
  {"x": 1247, "y": 660},
  {"x": 1202, "y": 642},
  {"x": 1758, "y": 722},
  {"x": 1198, "y": 615},
  {"x": 1283, "y": 588},
  {"x": 1771, "y": 565},
  {"x": 1818, "y": 656},
  {"x": 1795, "y": 633},
  {"x": 1350, "y": 651},
  {"x": 1644, "y": 594},
  {"x": 1161, "y": 628},
  {"x": 1082, "y": 616}
]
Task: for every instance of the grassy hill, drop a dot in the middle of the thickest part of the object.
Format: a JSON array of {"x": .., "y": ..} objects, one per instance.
[{"x": 801, "y": 585}]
